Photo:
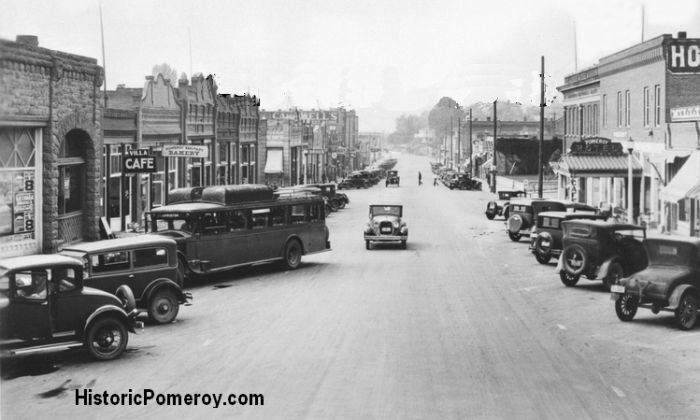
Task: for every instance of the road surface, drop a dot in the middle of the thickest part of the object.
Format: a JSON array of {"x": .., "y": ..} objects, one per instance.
[{"x": 462, "y": 324}]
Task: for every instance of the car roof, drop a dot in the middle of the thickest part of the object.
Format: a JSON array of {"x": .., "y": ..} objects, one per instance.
[
  {"x": 121, "y": 243},
  {"x": 694, "y": 241},
  {"x": 605, "y": 224},
  {"x": 38, "y": 260},
  {"x": 386, "y": 205},
  {"x": 185, "y": 207},
  {"x": 527, "y": 200},
  {"x": 568, "y": 215}
]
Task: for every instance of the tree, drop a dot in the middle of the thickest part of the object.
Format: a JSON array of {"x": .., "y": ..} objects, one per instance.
[
  {"x": 168, "y": 72},
  {"x": 445, "y": 116}
]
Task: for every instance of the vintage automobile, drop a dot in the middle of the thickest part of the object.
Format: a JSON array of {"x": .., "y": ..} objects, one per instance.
[
  {"x": 546, "y": 235},
  {"x": 463, "y": 181},
  {"x": 354, "y": 180},
  {"x": 500, "y": 207},
  {"x": 44, "y": 306},
  {"x": 600, "y": 249},
  {"x": 392, "y": 178},
  {"x": 148, "y": 264},
  {"x": 334, "y": 199},
  {"x": 385, "y": 225},
  {"x": 522, "y": 214},
  {"x": 671, "y": 281}
]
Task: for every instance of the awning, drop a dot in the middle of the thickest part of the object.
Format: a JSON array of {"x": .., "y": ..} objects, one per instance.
[
  {"x": 274, "y": 161},
  {"x": 686, "y": 183},
  {"x": 598, "y": 165}
]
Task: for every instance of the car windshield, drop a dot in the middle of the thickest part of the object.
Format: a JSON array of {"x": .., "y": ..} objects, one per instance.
[
  {"x": 385, "y": 210},
  {"x": 629, "y": 233},
  {"x": 673, "y": 254},
  {"x": 504, "y": 195}
]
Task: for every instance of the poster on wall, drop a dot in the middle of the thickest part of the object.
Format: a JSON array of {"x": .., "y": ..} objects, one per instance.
[{"x": 17, "y": 204}]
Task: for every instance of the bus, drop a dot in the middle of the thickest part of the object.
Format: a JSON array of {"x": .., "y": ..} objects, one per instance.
[{"x": 221, "y": 227}]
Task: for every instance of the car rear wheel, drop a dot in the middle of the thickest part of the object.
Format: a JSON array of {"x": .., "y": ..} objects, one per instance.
[
  {"x": 106, "y": 338},
  {"x": 490, "y": 216},
  {"x": 626, "y": 307},
  {"x": 568, "y": 279},
  {"x": 687, "y": 311},
  {"x": 515, "y": 237},
  {"x": 403, "y": 244},
  {"x": 163, "y": 307},
  {"x": 367, "y": 244},
  {"x": 292, "y": 254},
  {"x": 542, "y": 258},
  {"x": 543, "y": 252}
]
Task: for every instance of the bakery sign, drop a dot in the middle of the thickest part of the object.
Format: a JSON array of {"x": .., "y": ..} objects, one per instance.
[
  {"x": 686, "y": 113},
  {"x": 684, "y": 56}
]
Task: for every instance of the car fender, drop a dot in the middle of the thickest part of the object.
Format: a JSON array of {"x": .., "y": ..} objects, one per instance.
[
  {"x": 161, "y": 283},
  {"x": 675, "y": 298},
  {"x": 112, "y": 310},
  {"x": 289, "y": 238},
  {"x": 560, "y": 264},
  {"x": 605, "y": 267}
]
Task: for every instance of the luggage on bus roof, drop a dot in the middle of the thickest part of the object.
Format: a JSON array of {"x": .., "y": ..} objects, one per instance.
[{"x": 224, "y": 194}]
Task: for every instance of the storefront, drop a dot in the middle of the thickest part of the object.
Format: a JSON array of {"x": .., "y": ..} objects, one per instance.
[
  {"x": 20, "y": 191},
  {"x": 681, "y": 199}
]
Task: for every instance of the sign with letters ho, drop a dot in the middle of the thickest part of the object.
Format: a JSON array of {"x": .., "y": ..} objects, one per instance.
[
  {"x": 139, "y": 161},
  {"x": 683, "y": 56}
]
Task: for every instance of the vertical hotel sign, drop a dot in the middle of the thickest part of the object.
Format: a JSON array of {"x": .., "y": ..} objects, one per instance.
[{"x": 683, "y": 55}]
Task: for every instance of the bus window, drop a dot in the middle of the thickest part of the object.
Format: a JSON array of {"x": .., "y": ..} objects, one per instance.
[
  {"x": 211, "y": 224},
  {"x": 279, "y": 215},
  {"x": 298, "y": 214},
  {"x": 236, "y": 220},
  {"x": 314, "y": 212},
  {"x": 259, "y": 218}
]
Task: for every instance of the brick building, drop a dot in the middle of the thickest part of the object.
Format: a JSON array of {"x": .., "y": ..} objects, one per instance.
[
  {"x": 649, "y": 103},
  {"x": 50, "y": 140}
]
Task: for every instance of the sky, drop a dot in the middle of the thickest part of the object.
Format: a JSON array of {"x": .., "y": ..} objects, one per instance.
[{"x": 380, "y": 57}]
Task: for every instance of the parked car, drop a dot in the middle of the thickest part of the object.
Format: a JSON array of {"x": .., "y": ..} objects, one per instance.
[
  {"x": 464, "y": 182},
  {"x": 354, "y": 180},
  {"x": 386, "y": 225},
  {"x": 500, "y": 207},
  {"x": 671, "y": 281},
  {"x": 148, "y": 264},
  {"x": 546, "y": 236},
  {"x": 335, "y": 199},
  {"x": 599, "y": 249},
  {"x": 44, "y": 306},
  {"x": 392, "y": 178},
  {"x": 522, "y": 215}
]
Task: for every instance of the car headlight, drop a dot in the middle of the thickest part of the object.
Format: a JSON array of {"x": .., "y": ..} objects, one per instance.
[{"x": 396, "y": 224}]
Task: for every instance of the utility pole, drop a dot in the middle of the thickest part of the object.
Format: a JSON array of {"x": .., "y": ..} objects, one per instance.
[
  {"x": 540, "y": 170},
  {"x": 471, "y": 146},
  {"x": 452, "y": 142},
  {"x": 494, "y": 170},
  {"x": 459, "y": 137}
]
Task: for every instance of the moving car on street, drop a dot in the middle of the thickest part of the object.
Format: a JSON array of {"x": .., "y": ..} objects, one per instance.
[
  {"x": 392, "y": 178},
  {"x": 463, "y": 181},
  {"x": 670, "y": 283},
  {"x": 546, "y": 236},
  {"x": 44, "y": 306},
  {"x": 599, "y": 249},
  {"x": 500, "y": 207},
  {"x": 221, "y": 227},
  {"x": 386, "y": 225},
  {"x": 148, "y": 264}
]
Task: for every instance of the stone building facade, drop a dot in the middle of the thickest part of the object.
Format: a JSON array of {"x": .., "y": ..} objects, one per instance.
[{"x": 50, "y": 141}]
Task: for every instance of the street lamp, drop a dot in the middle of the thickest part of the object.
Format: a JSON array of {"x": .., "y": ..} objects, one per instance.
[
  {"x": 630, "y": 198},
  {"x": 306, "y": 163}
]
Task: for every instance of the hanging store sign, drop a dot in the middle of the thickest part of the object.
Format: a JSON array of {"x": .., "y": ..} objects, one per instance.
[
  {"x": 185, "y": 150},
  {"x": 687, "y": 113},
  {"x": 139, "y": 161},
  {"x": 684, "y": 56}
]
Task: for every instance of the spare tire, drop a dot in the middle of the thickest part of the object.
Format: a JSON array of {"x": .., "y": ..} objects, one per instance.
[
  {"x": 125, "y": 294},
  {"x": 543, "y": 246},
  {"x": 575, "y": 259},
  {"x": 515, "y": 222}
]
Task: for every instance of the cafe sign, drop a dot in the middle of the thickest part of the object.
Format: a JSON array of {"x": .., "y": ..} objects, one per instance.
[
  {"x": 687, "y": 113},
  {"x": 139, "y": 161},
  {"x": 185, "y": 150}
]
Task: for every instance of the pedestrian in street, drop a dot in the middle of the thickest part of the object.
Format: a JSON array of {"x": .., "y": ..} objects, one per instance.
[
  {"x": 420, "y": 178},
  {"x": 435, "y": 182}
]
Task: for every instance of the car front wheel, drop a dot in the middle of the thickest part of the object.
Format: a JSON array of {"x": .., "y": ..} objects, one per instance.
[
  {"x": 515, "y": 237},
  {"x": 626, "y": 307},
  {"x": 367, "y": 245},
  {"x": 163, "y": 307},
  {"x": 568, "y": 279},
  {"x": 615, "y": 273},
  {"x": 106, "y": 338},
  {"x": 490, "y": 216},
  {"x": 687, "y": 311},
  {"x": 403, "y": 244}
]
